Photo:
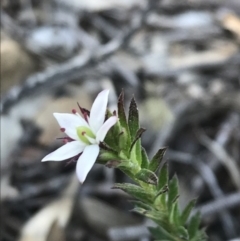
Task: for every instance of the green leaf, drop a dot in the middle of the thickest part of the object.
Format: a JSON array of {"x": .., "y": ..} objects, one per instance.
[
  {"x": 158, "y": 216},
  {"x": 141, "y": 205},
  {"x": 135, "y": 148},
  {"x": 187, "y": 211},
  {"x": 125, "y": 135},
  {"x": 183, "y": 233},
  {"x": 157, "y": 159},
  {"x": 161, "y": 191},
  {"x": 163, "y": 177},
  {"x": 147, "y": 176},
  {"x": 193, "y": 225},
  {"x": 145, "y": 160},
  {"x": 133, "y": 119},
  {"x": 128, "y": 171},
  {"x": 175, "y": 214},
  {"x": 173, "y": 191},
  {"x": 161, "y": 234},
  {"x": 135, "y": 191},
  {"x": 112, "y": 137},
  {"x": 137, "y": 137}
]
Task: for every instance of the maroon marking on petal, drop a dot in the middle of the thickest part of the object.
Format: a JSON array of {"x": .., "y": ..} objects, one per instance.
[
  {"x": 74, "y": 111},
  {"x": 62, "y": 129}
]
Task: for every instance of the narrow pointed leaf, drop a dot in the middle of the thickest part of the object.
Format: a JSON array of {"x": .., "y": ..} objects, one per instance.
[
  {"x": 161, "y": 191},
  {"x": 133, "y": 119},
  {"x": 157, "y": 159},
  {"x": 135, "y": 191},
  {"x": 163, "y": 177},
  {"x": 125, "y": 137},
  {"x": 187, "y": 211},
  {"x": 194, "y": 225},
  {"x": 147, "y": 176},
  {"x": 173, "y": 191},
  {"x": 175, "y": 214},
  {"x": 137, "y": 137},
  {"x": 135, "y": 154},
  {"x": 157, "y": 216},
  {"x": 128, "y": 171},
  {"x": 161, "y": 234},
  {"x": 135, "y": 148},
  {"x": 140, "y": 204},
  {"x": 183, "y": 233},
  {"x": 145, "y": 160}
]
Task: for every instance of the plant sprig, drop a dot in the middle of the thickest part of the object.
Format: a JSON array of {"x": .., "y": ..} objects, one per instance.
[{"x": 157, "y": 197}]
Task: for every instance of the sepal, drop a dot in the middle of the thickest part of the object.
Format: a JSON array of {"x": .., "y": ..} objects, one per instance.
[{"x": 105, "y": 156}]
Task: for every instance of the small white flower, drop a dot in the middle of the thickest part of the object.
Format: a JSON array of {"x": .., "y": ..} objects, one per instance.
[{"x": 84, "y": 135}]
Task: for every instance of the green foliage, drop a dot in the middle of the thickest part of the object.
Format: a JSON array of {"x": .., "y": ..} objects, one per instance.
[
  {"x": 172, "y": 192},
  {"x": 163, "y": 177},
  {"x": 124, "y": 136},
  {"x": 133, "y": 119},
  {"x": 187, "y": 211},
  {"x": 193, "y": 226},
  {"x": 135, "y": 191},
  {"x": 161, "y": 234},
  {"x": 157, "y": 159},
  {"x": 156, "y": 197},
  {"x": 147, "y": 176},
  {"x": 145, "y": 160}
]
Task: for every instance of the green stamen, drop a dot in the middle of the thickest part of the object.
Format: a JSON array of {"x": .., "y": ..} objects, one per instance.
[{"x": 82, "y": 132}]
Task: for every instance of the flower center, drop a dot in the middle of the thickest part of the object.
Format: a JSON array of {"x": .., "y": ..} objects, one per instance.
[{"x": 84, "y": 134}]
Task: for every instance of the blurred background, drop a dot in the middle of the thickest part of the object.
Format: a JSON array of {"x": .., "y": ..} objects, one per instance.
[{"x": 180, "y": 59}]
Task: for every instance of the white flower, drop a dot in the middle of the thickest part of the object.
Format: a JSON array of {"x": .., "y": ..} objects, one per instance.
[{"x": 84, "y": 135}]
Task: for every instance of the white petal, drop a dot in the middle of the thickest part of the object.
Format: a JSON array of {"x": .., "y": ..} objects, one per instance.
[
  {"x": 66, "y": 151},
  {"x": 70, "y": 122},
  {"x": 86, "y": 161},
  {"x": 105, "y": 128},
  {"x": 98, "y": 110}
]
